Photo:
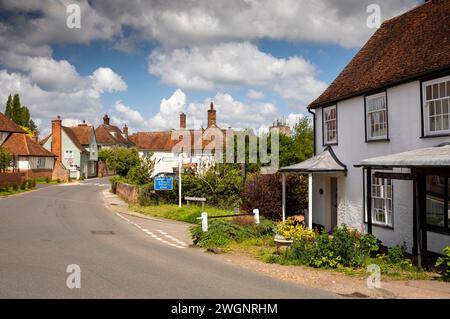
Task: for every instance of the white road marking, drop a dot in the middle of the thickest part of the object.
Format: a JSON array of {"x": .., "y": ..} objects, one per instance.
[{"x": 178, "y": 243}]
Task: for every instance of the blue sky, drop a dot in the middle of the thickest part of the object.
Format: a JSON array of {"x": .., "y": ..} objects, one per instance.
[{"x": 144, "y": 63}]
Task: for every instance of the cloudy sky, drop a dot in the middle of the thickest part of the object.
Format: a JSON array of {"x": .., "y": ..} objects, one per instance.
[{"x": 144, "y": 62}]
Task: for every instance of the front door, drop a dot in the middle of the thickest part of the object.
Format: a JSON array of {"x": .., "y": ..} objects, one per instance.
[{"x": 333, "y": 202}]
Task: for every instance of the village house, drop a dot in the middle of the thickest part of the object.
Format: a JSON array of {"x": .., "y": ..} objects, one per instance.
[
  {"x": 108, "y": 135},
  {"x": 29, "y": 157},
  {"x": 75, "y": 147},
  {"x": 382, "y": 136},
  {"x": 197, "y": 150}
]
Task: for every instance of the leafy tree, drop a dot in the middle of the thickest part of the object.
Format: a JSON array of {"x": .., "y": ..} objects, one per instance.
[
  {"x": 122, "y": 159},
  {"x": 141, "y": 173},
  {"x": 8, "y": 108},
  {"x": 5, "y": 159},
  {"x": 32, "y": 126},
  {"x": 18, "y": 113}
]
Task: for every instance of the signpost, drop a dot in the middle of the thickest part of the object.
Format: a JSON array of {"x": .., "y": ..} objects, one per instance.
[{"x": 163, "y": 183}]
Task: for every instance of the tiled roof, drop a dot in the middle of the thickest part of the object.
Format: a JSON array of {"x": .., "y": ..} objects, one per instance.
[
  {"x": 111, "y": 135},
  {"x": 162, "y": 141},
  {"x": 7, "y": 125},
  {"x": 21, "y": 144},
  {"x": 153, "y": 141},
  {"x": 82, "y": 133},
  {"x": 414, "y": 44}
]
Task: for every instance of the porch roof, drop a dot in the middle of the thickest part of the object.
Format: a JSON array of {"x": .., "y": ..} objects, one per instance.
[
  {"x": 325, "y": 162},
  {"x": 438, "y": 156}
]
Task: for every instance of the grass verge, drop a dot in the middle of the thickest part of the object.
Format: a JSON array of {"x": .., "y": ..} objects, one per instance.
[
  {"x": 10, "y": 191},
  {"x": 187, "y": 214}
]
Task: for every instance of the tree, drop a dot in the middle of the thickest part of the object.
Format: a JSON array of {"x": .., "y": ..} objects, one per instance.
[
  {"x": 141, "y": 174},
  {"x": 122, "y": 159},
  {"x": 5, "y": 159},
  {"x": 18, "y": 113},
  {"x": 8, "y": 107},
  {"x": 16, "y": 110}
]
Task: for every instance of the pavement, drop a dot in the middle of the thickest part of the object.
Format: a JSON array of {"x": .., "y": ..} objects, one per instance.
[{"x": 120, "y": 255}]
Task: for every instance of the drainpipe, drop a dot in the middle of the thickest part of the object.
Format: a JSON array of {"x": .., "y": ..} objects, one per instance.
[{"x": 314, "y": 128}]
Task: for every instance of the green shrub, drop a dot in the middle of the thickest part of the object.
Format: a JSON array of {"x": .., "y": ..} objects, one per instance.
[
  {"x": 32, "y": 183},
  {"x": 445, "y": 263},
  {"x": 15, "y": 187},
  {"x": 47, "y": 180},
  {"x": 24, "y": 185},
  {"x": 220, "y": 232},
  {"x": 345, "y": 248}
]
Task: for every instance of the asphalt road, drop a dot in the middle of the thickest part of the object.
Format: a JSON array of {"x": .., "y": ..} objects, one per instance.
[{"x": 44, "y": 231}]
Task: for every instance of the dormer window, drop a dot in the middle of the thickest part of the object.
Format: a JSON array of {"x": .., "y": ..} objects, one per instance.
[
  {"x": 329, "y": 117},
  {"x": 436, "y": 94}
]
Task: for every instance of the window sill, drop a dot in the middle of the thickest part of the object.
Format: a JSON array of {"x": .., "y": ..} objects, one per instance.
[
  {"x": 378, "y": 140},
  {"x": 435, "y": 135},
  {"x": 381, "y": 226},
  {"x": 330, "y": 144}
]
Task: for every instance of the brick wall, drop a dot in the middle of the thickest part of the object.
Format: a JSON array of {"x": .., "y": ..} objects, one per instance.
[
  {"x": 60, "y": 172},
  {"x": 103, "y": 170},
  {"x": 37, "y": 173},
  {"x": 9, "y": 179},
  {"x": 127, "y": 192}
]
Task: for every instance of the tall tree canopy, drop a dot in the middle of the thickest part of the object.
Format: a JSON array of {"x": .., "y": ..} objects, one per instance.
[{"x": 18, "y": 113}]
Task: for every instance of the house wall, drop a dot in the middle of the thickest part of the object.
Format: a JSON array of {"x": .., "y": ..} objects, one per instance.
[
  {"x": 404, "y": 114},
  {"x": 67, "y": 144}
]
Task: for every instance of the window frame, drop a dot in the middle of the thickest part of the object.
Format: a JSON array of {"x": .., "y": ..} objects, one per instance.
[
  {"x": 324, "y": 129},
  {"x": 374, "y": 220},
  {"x": 41, "y": 160},
  {"x": 368, "y": 138},
  {"x": 446, "y": 204},
  {"x": 425, "y": 108}
]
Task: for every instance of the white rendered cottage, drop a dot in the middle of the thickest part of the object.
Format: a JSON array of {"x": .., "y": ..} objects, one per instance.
[{"x": 382, "y": 131}]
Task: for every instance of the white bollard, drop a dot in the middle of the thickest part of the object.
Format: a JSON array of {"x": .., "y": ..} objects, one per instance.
[
  {"x": 256, "y": 214},
  {"x": 204, "y": 221}
]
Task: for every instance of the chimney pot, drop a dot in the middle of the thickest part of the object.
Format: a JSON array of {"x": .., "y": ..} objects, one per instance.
[
  {"x": 211, "y": 115},
  {"x": 106, "y": 119},
  {"x": 182, "y": 121},
  {"x": 36, "y": 136}
]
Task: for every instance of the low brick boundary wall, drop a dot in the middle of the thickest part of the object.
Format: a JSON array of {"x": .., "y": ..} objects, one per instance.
[
  {"x": 38, "y": 173},
  {"x": 9, "y": 179},
  {"x": 127, "y": 192},
  {"x": 103, "y": 170}
]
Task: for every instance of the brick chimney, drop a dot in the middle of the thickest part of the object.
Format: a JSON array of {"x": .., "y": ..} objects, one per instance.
[
  {"x": 35, "y": 136},
  {"x": 125, "y": 131},
  {"x": 106, "y": 119},
  {"x": 56, "y": 138},
  {"x": 182, "y": 121},
  {"x": 211, "y": 115}
]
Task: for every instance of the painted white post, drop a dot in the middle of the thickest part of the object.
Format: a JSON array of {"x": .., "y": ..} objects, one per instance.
[
  {"x": 205, "y": 221},
  {"x": 283, "y": 195},
  {"x": 179, "y": 179},
  {"x": 310, "y": 199},
  {"x": 256, "y": 214}
]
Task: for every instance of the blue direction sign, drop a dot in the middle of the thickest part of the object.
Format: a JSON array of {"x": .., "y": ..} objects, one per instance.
[{"x": 163, "y": 183}]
